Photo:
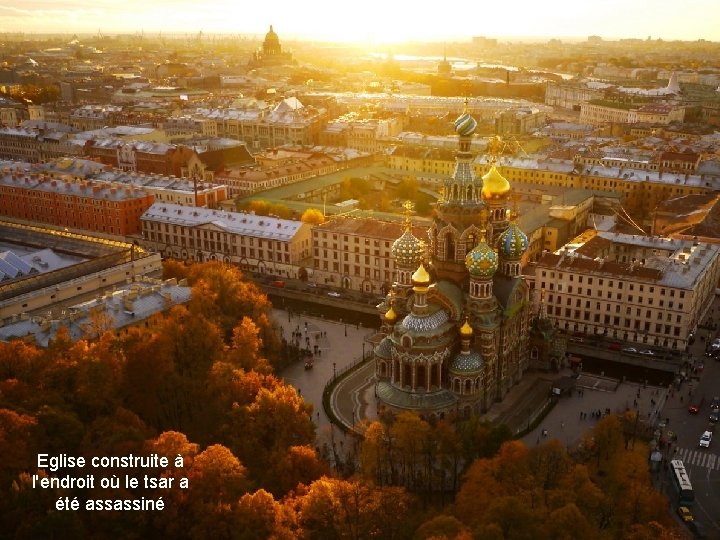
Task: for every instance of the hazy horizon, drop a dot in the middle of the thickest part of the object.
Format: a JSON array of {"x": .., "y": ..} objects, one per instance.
[{"x": 375, "y": 22}]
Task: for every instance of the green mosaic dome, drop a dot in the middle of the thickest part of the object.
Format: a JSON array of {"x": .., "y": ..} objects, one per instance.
[
  {"x": 408, "y": 250},
  {"x": 513, "y": 243},
  {"x": 482, "y": 261}
]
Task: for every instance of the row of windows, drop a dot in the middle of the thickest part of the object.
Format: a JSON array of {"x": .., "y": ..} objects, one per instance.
[
  {"x": 610, "y": 284},
  {"x": 607, "y": 320},
  {"x": 568, "y": 301}
]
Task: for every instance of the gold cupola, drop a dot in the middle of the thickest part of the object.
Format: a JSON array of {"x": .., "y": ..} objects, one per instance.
[
  {"x": 495, "y": 185},
  {"x": 421, "y": 278}
]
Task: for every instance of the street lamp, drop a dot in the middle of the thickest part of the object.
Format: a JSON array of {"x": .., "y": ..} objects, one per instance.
[
  {"x": 353, "y": 419},
  {"x": 345, "y": 329},
  {"x": 334, "y": 374},
  {"x": 363, "y": 346}
]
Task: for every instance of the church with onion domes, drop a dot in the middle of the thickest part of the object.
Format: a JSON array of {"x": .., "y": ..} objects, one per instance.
[{"x": 455, "y": 324}]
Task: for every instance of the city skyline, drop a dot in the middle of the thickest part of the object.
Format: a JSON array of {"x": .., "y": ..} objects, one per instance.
[{"x": 376, "y": 22}]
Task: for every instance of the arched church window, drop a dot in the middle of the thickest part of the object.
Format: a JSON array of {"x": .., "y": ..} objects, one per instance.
[{"x": 449, "y": 246}]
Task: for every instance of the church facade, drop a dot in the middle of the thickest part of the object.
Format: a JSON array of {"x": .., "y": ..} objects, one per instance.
[{"x": 454, "y": 326}]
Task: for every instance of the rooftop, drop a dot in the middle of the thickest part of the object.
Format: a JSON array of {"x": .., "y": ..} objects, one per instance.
[{"x": 232, "y": 222}]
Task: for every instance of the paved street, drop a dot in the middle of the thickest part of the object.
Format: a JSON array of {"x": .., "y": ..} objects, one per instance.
[
  {"x": 340, "y": 345},
  {"x": 573, "y": 415}
]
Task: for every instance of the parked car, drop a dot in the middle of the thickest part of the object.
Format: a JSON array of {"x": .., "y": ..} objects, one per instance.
[
  {"x": 630, "y": 349},
  {"x": 334, "y": 294},
  {"x": 685, "y": 514},
  {"x": 715, "y": 404},
  {"x": 714, "y": 415},
  {"x": 705, "y": 439},
  {"x": 647, "y": 352},
  {"x": 277, "y": 283}
]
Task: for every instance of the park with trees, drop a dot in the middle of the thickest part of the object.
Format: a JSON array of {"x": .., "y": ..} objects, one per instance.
[{"x": 202, "y": 382}]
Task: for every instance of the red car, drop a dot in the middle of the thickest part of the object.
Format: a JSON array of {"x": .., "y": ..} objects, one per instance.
[{"x": 694, "y": 408}]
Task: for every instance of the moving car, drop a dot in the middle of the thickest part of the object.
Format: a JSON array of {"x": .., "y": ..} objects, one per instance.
[
  {"x": 685, "y": 514},
  {"x": 693, "y": 408},
  {"x": 714, "y": 415},
  {"x": 334, "y": 294},
  {"x": 647, "y": 352},
  {"x": 705, "y": 439},
  {"x": 630, "y": 349}
]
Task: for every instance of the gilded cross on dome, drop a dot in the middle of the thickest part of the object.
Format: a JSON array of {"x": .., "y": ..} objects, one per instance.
[
  {"x": 514, "y": 211},
  {"x": 408, "y": 206},
  {"x": 483, "y": 220},
  {"x": 494, "y": 147}
]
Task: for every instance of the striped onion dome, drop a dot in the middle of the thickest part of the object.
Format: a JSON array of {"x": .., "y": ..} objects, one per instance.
[
  {"x": 465, "y": 125},
  {"x": 513, "y": 243}
]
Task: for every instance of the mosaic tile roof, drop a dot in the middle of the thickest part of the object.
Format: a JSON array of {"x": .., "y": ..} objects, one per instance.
[
  {"x": 482, "y": 261},
  {"x": 467, "y": 363},
  {"x": 425, "y": 324},
  {"x": 513, "y": 243},
  {"x": 408, "y": 250}
]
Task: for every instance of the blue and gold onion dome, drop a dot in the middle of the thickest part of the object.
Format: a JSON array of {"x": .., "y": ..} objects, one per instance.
[
  {"x": 408, "y": 250},
  {"x": 465, "y": 125},
  {"x": 482, "y": 261},
  {"x": 513, "y": 243}
]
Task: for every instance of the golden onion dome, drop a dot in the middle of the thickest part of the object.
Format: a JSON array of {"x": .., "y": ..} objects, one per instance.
[
  {"x": 466, "y": 330},
  {"x": 390, "y": 315},
  {"x": 495, "y": 185},
  {"x": 421, "y": 278}
]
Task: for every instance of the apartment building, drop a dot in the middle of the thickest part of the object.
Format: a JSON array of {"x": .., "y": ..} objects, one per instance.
[
  {"x": 355, "y": 253},
  {"x": 289, "y": 122},
  {"x": 644, "y": 290},
  {"x": 264, "y": 244},
  {"x": 601, "y": 112},
  {"x": 92, "y": 206}
]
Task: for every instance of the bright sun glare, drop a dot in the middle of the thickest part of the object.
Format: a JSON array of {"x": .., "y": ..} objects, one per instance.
[{"x": 372, "y": 21}]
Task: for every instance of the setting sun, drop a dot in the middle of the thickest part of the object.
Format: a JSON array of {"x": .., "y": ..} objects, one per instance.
[{"x": 372, "y": 21}]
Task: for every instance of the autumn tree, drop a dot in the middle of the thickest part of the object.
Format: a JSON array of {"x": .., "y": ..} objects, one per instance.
[
  {"x": 258, "y": 206},
  {"x": 16, "y": 445},
  {"x": 279, "y": 210},
  {"x": 441, "y": 526},
  {"x": 244, "y": 350},
  {"x": 312, "y": 216},
  {"x": 334, "y": 508}
]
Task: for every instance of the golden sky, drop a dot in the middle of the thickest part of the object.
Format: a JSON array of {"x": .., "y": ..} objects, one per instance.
[{"x": 373, "y": 21}]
